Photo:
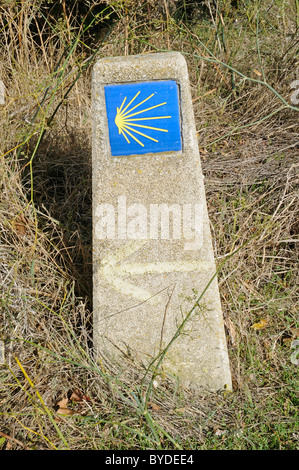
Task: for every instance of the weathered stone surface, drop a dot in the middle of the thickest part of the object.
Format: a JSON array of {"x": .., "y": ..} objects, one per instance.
[{"x": 145, "y": 287}]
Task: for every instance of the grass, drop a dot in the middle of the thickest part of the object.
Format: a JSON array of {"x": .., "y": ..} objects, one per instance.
[{"x": 248, "y": 138}]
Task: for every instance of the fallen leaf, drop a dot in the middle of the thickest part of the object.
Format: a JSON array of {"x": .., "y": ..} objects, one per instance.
[
  {"x": 62, "y": 403},
  {"x": 261, "y": 324},
  {"x": 154, "y": 406},
  {"x": 64, "y": 412},
  {"x": 63, "y": 409},
  {"x": 78, "y": 396},
  {"x": 19, "y": 224}
]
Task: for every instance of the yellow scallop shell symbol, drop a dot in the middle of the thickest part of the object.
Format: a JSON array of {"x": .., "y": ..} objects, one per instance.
[{"x": 126, "y": 125}]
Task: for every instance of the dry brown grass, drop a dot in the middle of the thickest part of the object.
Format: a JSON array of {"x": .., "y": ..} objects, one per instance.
[{"x": 251, "y": 179}]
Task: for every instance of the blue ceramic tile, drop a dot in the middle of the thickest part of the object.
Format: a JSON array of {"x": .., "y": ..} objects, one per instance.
[{"x": 143, "y": 117}]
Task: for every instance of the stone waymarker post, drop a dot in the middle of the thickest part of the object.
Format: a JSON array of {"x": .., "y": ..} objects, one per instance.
[{"x": 152, "y": 245}]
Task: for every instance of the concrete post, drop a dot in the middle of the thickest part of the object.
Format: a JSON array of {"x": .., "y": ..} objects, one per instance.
[{"x": 153, "y": 254}]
